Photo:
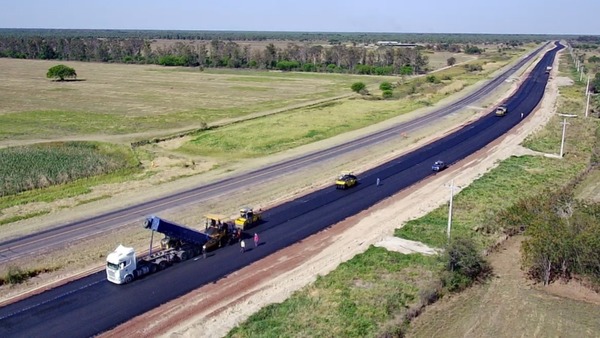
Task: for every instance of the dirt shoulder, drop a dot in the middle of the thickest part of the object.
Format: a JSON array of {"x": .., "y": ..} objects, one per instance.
[{"x": 211, "y": 311}]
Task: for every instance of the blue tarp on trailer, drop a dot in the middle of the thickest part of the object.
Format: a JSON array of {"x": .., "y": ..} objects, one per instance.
[{"x": 174, "y": 230}]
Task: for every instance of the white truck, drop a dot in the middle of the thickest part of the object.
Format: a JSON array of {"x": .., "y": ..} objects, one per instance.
[{"x": 180, "y": 243}]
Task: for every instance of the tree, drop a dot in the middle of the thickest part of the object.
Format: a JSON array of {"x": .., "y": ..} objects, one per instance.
[
  {"x": 358, "y": 87},
  {"x": 451, "y": 61},
  {"x": 432, "y": 79},
  {"x": 61, "y": 72},
  {"x": 470, "y": 49}
]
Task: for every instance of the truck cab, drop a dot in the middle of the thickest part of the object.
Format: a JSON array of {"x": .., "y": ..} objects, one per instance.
[{"x": 121, "y": 265}]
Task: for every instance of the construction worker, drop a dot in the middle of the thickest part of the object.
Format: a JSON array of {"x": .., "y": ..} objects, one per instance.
[
  {"x": 242, "y": 246},
  {"x": 204, "y": 251},
  {"x": 255, "y": 239},
  {"x": 378, "y": 181}
]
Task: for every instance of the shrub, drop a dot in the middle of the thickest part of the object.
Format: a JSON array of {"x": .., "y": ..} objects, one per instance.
[
  {"x": 473, "y": 67},
  {"x": 464, "y": 264},
  {"x": 432, "y": 79},
  {"x": 385, "y": 86},
  {"x": 15, "y": 275},
  {"x": 387, "y": 94},
  {"x": 358, "y": 87}
]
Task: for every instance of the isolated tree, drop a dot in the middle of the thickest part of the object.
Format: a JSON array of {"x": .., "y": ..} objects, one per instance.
[
  {"x": 61, "y": 72},
  {"x": 451, "y": 61},
  {"x": 358, "y": 87}
]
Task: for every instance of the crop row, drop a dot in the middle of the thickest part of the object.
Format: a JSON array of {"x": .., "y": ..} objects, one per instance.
[{"x": 33, "y": 167}]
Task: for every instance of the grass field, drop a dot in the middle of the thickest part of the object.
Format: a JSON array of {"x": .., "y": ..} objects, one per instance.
[
  {"x": 122, "y": 99},
  {"x": 118, "y": 99},
  {"x": 271, "y": 134},
  {"x": 351, "y": 301}
]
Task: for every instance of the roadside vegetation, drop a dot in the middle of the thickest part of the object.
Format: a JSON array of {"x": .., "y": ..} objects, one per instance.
[
  {"x": 522, "y": 194},
  {"x": 16, "y": 275},
  {"x": 363, "y": 293}
]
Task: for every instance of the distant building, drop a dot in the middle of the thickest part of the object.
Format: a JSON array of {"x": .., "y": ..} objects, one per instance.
[{"x": 395, "y": 44}]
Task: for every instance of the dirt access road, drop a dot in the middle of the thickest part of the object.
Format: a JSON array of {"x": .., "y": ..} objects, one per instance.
[{"x": 214, "y": 309}]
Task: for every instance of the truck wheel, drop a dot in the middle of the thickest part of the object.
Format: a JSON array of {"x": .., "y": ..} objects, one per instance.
[
  {"x": 162, "y": 265},
  {"x": 153, "y": 268},
  {"x": 128, "y": 279},
  {"x": 184, "y": 256}
]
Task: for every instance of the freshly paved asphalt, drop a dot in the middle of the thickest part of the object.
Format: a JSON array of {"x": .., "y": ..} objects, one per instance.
[{"x": 91, "y": 305}]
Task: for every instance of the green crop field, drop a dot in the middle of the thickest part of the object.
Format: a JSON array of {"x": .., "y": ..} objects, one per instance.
[{"x": 43, "y": 165}]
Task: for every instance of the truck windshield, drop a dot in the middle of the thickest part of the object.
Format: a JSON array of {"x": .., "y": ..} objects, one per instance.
[{"x": 112, "y": 266}]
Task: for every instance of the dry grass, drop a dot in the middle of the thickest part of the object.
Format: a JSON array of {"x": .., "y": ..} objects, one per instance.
[
  {"x": 123, "y": 99},
  {"x": 440, "y": 59}
]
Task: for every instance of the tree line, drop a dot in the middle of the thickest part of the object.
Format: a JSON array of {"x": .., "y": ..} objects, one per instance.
[
  {"x": 332, "y": 37},
  {"x": 220, "y": 53}
]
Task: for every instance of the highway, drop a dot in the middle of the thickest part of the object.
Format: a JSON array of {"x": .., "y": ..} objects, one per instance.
[
  {"x": 61, "y": 235},
  {"x": 92, "y": 305}
]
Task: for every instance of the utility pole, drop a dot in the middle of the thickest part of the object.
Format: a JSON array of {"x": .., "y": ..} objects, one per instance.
[
  {"x": 562, "y": 141},
  {"x": 587, "y": 105},
  {"x": 587, "y": 87},
  {"x": 450, "y": 210}
]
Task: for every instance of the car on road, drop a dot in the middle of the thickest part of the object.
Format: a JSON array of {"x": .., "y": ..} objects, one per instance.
[
  {"x": 346, "y": 180},
  {"x": 501, "y": 111},
  {"x": 439, "y": 166}
]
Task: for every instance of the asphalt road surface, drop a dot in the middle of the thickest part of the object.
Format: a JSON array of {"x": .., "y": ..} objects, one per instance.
[
  {"x": 91, "y": 305},
  {"x": 61, "y": 235}
]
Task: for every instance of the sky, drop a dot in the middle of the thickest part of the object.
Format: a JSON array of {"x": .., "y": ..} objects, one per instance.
[{"x": 420, "y": 16}]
